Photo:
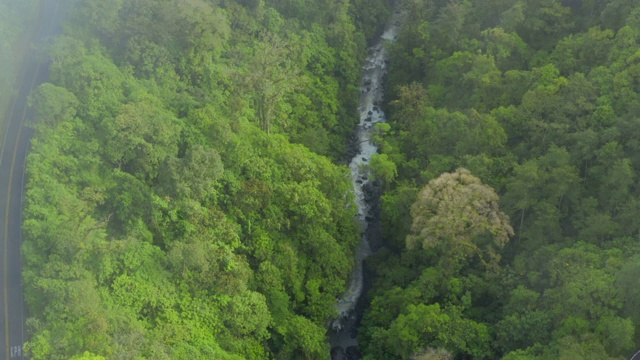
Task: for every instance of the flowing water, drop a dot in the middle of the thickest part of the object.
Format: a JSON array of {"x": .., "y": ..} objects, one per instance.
[{"x": 371, "y": 88}]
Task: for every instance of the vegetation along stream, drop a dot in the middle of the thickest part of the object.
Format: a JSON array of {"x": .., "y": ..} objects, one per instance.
[{"x": 374, "y": 74}]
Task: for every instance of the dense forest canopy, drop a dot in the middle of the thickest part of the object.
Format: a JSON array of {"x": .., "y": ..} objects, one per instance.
[
  {"x": 184, "y": 199},
  {"x": 539, "y": 99},
  {"x": 187, "y": 196}
]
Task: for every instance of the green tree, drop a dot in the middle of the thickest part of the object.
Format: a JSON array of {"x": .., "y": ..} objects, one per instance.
[
  {"x": 53, "y": 104},
  {"x": 383, "y": 168},
  {"x": 452, "y": 212},
  {"x": 140, "y": 138},
  {"x": 272, "y": 75},
  {"x": 430, "y": 325},
  {"x": 193, "y": 176}
]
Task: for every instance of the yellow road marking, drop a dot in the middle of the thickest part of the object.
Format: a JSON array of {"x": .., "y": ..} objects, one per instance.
[
  {"x": 10, "y": 184},
  {"x": 6, "y": 233},
  {"x": 6, "y": 218},
  {"x": 7, "y": 208}
]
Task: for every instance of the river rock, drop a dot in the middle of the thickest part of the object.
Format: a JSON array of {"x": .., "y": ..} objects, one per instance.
[
  {"x": 352, "y": 353},
  {"x": 344, "y": 330},
  {"x": 337, "y": 353}
]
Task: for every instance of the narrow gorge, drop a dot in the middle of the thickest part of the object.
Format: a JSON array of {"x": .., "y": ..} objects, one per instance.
[{"x": 344, "y": 329}]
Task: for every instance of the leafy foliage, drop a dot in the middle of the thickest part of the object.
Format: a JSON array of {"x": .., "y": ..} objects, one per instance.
[
  {"x": 452, "y": 211},
  {"x": 184, "y": 200},
  {"x": 173, "y": 207},
  {"x": 536, "y": 99}
]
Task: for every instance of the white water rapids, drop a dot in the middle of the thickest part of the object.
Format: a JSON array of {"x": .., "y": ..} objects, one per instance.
[{"x": 374, "y": 71}]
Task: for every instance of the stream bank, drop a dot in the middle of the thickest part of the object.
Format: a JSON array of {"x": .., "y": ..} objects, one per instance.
[{"x": 343, "y": 330}]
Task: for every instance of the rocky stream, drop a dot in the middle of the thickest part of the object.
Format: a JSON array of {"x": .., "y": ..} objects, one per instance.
[{"x": 343, "y": 330}]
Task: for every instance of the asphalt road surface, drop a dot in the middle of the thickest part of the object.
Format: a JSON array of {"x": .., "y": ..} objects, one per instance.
[{"x": 12, "y": 165}]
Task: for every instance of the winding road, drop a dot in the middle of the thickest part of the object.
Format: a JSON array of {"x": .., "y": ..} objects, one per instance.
[{"x": 12, "y": 166}]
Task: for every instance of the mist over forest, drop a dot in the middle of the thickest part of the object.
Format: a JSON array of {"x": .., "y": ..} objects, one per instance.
[{"x": 188, "y": 192}]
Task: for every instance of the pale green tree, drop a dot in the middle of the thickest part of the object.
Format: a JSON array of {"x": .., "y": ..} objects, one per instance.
[{"x": 453, "y": 213}]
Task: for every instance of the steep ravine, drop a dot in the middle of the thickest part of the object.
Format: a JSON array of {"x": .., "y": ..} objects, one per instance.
[{"x": 343, "y": 330}]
